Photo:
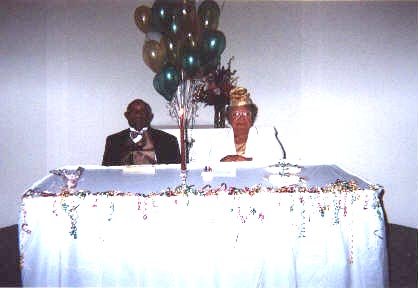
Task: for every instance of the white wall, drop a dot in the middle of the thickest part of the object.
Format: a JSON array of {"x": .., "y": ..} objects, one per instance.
[
  {"x": 339, "y": 80},
  {"x": 23, "y": 144}
]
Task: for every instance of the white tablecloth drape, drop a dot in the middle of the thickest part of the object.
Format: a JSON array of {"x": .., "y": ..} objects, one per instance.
[{"x": 254, "y": 238}]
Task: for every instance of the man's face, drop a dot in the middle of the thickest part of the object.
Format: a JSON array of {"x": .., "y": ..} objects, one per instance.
[
  {"x": 240, "y": 118},
  {"x": 137, "y": 116}
]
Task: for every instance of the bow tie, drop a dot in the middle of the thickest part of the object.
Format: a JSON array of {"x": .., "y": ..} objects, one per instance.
[{"x": 135, "y": 134}]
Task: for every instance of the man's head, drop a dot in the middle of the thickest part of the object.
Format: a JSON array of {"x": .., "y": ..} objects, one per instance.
[
  {"x": 242, "y": 112},
  {"x": 139, "y": 114}
]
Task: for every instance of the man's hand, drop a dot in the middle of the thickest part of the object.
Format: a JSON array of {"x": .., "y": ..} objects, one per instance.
[
  {"x": 144, "y": 157},
  {"x": 146, "y": 142}
]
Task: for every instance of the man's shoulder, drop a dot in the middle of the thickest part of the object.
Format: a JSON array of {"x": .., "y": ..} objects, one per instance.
[
  {"x": 161, "y": 133},
  {"x": 119, "y": 134}
]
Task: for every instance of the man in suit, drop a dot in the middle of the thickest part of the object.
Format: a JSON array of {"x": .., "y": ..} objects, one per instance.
[{"x": 140, "y": 143}]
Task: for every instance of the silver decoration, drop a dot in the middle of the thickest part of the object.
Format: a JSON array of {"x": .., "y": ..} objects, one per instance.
[
  {"x": 69, "y": 176},
  {"x": 184, "y": 98}
]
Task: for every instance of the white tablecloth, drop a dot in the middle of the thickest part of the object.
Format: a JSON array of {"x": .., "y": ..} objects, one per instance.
[{"x": 257, "y": 238}]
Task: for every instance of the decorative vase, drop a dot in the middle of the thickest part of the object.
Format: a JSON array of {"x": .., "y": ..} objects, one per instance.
[{"x": 219, "y": 116}]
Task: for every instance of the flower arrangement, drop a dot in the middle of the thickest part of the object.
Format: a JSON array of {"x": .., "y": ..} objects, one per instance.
[
  {"x": 217, "y": 84},
  {"x": 215, "y": 90}
]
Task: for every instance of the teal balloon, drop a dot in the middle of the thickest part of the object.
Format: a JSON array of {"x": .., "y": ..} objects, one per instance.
[
  {"x": 190, "y": 61},
  {"x": 158, "y": 87},
  {"x": 171, "y": 77},
  {"x": 166, "y": 81},
  {"x": 162, "y": 13},
  {"x": 175, "y": 27},
  {"x": 213, "y": 44},
  {"x": 209, "y": 13}
]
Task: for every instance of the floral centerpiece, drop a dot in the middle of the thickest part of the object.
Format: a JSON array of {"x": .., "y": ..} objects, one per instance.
[{"x": 215, "y": 91}]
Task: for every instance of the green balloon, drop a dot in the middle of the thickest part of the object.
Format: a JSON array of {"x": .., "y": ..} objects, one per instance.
[
  {"x": 209, "y": 13},
  {"x": 166, "y": 82},
  {"x": 171, "y": 77},
  {"x": 190, "y": 62},
  {"x": 175, "y": 27},
  {"x": 162, "y": 16},
  {"x": 213, "y": 44}
]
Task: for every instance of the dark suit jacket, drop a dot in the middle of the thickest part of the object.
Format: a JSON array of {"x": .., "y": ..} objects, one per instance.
[{"x": 119, "y": 144}]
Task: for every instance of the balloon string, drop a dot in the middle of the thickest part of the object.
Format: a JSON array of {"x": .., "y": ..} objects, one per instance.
[{"x": 222, "y": 6}]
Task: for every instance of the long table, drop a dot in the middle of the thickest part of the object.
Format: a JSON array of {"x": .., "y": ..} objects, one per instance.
[{"x": 144, "y": 227}]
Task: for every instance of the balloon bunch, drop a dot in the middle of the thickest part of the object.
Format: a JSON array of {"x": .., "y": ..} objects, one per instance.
[{"x": 182, "y": 41}]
